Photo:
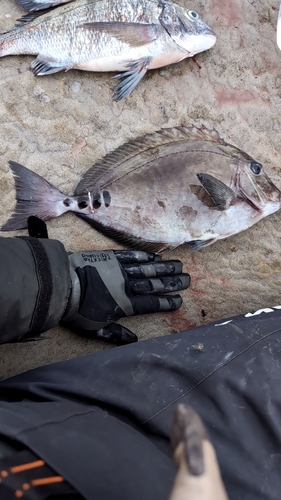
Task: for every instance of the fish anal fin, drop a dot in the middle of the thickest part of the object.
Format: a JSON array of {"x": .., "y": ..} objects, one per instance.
[
  {"x": 134, "y": 34},
  {"x": 199, "y": 244},
  {"x": 222, "y": 195},
  {"x": 125, "y": 240},
  {"x": 46, "y": 66}
]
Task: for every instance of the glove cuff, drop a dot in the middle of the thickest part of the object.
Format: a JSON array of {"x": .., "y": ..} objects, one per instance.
[{"x": 52, "y": 271}]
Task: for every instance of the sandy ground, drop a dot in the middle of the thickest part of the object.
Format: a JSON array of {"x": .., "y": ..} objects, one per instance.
[{"x": 59, "y": 125}]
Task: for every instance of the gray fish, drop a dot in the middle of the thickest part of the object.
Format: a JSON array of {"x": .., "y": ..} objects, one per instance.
[
  {"x": 128, "y": 36},
  {"x": 175, "y": 186}
]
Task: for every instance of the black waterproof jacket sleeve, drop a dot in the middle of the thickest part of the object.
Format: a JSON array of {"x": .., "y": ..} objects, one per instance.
[{"x": 34, "y": 286}]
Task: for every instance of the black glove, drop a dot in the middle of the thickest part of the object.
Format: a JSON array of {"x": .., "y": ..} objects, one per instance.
[{"x": 109, "y": 285}]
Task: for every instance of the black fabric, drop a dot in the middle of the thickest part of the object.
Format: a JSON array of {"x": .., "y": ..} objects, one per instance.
[
  {"x": 45, "y": 285},
  {"x": 103, "y": 420}
]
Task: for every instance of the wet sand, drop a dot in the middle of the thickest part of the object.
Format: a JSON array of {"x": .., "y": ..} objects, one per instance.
[{"x": 59, "y": 125}]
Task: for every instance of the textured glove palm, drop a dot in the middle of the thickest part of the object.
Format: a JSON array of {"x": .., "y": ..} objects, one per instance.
[{"x": 109, "y": 285}]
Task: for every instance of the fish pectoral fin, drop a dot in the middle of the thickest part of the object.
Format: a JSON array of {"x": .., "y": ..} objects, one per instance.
[
  {"x": 222, "y": 195},
  {"x": 46, "y": 66},
  {"x": 134, "y": 34},
  {"x": 136, "y": 71}
]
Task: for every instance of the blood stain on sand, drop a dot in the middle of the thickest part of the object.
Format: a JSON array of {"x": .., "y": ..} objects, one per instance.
[{"x": 179, "y": 321}]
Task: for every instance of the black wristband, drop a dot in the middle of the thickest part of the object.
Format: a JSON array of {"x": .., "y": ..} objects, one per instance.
[{"x": 45, "y": 286}]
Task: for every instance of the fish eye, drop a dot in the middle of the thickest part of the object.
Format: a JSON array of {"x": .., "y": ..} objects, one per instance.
[
  {"x": 192, "y": 15},
  {"x": 255, "y": 167}
]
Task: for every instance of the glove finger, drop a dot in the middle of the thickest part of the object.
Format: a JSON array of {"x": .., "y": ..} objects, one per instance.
[
  {"x": 116, "y": 334},
  {"x": 160, "y": 285},
  {"x": 166, "y": 268},
  {"x": 37, "y": 227},
  {"x": 112, "y": 333},
  {"x": 152, "y": 303},
  {"x": 136, "y": 256}
]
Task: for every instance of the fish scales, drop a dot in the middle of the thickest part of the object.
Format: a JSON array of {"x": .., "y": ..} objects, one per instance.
[
  {"x": 129, "y": 208},
  {"x": 106, "y": 35},
  {"x": 176, "y": 186},
  {"x": 58, "y": 32}
]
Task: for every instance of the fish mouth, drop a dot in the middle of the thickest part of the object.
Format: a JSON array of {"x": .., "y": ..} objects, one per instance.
[
  {"x": 211, "y": 36},
  {"x": 200, "y": 43}
]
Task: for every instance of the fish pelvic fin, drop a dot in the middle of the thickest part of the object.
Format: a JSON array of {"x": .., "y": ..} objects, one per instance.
[
  {"x": 222, "y": 195},
  {"x": 125, "y": 240},
  {"x": 34, "y": 196},
  {"x": 136, "y": 71}
]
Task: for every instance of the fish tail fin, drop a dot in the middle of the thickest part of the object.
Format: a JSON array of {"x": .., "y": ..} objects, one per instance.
[{"x": 34, "y": 196}]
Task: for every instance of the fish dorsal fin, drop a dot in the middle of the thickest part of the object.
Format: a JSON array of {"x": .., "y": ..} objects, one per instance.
[
  {"x": 57, "y": 10},
  {"x": 31, "y": 5},
  {"x": 222, "y": 195},
  {"x": 28, "y": 18},
  {"x": 105, "y": 169},
  {"x": 123, "y": 239}
]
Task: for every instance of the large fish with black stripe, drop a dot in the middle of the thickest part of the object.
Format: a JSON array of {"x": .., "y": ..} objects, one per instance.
[
  {"x": 127, "y": 36},
  {"x": 175, "y": 186}
]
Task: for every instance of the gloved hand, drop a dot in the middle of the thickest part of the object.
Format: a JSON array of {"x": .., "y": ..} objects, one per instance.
[{"x": 109, "y": 285}]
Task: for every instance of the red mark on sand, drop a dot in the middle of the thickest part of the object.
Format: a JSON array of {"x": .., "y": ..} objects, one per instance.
[
  {"x": 225, "y": 97},
  {"x": 179, "y": 321},
  {"x": 230, "y": 13}
]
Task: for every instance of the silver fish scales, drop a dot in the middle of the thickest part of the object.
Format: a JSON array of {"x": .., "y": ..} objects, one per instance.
[
  {"x": 105, "y": 35},
  {"x": 176, "y": 186}
]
